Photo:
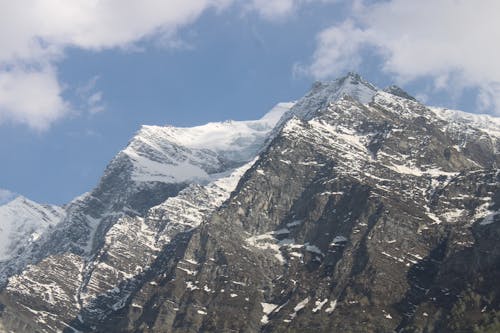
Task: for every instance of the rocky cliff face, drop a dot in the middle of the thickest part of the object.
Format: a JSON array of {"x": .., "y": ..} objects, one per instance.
[{"x": 361, "y": 211}]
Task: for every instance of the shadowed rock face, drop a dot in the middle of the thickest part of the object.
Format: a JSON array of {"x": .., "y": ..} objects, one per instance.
[{"x": 365, "y": 212}]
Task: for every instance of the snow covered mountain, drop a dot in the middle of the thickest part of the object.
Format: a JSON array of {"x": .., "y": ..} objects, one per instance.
[
  {"x": 355, "y": 209},
  {"x": 22, "y": 222},
  {"x": 173, "y": 155},
  {"x": 156, "y": 164}
]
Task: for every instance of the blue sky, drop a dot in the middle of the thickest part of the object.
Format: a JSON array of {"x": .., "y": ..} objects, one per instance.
[{"x": 77, "y": 80}]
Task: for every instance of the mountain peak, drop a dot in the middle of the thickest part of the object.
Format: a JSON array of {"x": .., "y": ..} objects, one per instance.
[
  {"x": 353, "y": 76},
  {"x": 19, "y": 201},
  {"x": 352, "y": 85},
  {"x": 324, "y": 93}
]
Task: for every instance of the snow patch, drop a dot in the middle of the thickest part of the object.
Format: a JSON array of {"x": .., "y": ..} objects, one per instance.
[
  {"x": 267, "y": 242},
  {"x": 314, "y": 249},
  {"x": 300, "y": 306},
  {"x": 487, "y": 215},
  {"x": 319, "y": 305},
  {"x": 331, "y": 307},
  {"x": 337, "y": 240},
  {"x": 294, "y": 223},
  {"x": 267, "y": 308}
]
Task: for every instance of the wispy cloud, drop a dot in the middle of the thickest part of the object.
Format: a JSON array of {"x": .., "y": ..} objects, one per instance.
[
  {"x": 91, "y": 98},
  {"x": 272, "y": 9},
  {"x": 6, "y": 196},
  {"x": 279, "y": 9},
  {"x": 450, "y": 41}
]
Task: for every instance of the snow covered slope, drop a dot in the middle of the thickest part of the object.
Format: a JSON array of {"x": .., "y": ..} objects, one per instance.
[
  {"x": 483, "y": 122},
  {"x": 181, "y": 154},
  {"x": 22, "y": 221}
]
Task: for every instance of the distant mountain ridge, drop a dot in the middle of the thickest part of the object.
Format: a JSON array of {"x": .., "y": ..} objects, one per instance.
[
  {"x": 23, "y": 222},
  {"x": 354, "y": 209}
]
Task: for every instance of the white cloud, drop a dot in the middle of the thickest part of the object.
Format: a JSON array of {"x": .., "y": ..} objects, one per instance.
[
  {"x": 35, "y": 33},
  {"x": 452, "y": 41},
  {"x": 90, "y": 24},
  {"x": 339, "y": 49},
  {"x": 278, "y": 9},
  {"x": 31, "y": 97},
  {"x": 6, "y": 196}
]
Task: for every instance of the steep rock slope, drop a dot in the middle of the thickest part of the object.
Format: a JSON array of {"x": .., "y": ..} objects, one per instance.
[
  {"x": 366, "y": 212},
  {"x": 157, "y": 164},
  {"x": 359, "y": 217}
]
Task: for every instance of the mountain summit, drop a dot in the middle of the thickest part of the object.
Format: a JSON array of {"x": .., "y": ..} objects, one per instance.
[{"x": 354, "y": 209}]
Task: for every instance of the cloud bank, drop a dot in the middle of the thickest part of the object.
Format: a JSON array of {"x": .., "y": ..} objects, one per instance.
[
  {"x": 35, "y": 33},
  {"x": 453, "y": 42}
]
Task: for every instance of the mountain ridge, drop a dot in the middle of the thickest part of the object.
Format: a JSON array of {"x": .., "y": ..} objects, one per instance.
[
  {"x": 353, "y": 184},
  {"x": 23, "y": 221}
]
